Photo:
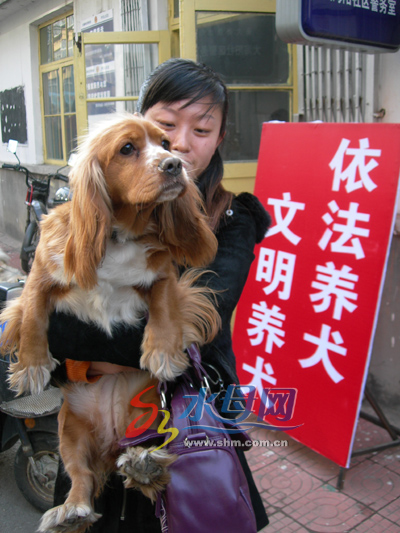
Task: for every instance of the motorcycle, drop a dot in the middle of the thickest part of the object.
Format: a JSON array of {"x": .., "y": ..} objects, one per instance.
[
  {"x": 30, "y": 420},
  {"x": 38, "y": 203}
]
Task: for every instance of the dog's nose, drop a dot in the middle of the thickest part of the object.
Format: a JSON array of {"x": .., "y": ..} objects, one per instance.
[{"x": 172, "y": 166}]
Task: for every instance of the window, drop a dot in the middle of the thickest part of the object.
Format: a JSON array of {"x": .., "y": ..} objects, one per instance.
[
  {"x": 58, "y": 89},
  {"x": 238, "y": 39},
  {"x": 111, "y": 66},
  {"x": 139, "y": 59},
  {"x": 244, "y": 49}
]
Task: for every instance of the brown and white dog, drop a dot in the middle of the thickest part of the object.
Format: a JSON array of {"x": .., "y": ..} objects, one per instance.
[{"x": 108, "y": 257}]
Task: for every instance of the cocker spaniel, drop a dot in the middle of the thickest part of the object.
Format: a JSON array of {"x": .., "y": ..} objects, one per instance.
[{"x": 110, "y": 256}]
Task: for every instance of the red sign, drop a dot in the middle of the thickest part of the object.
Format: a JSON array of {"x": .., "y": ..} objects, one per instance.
[{"x": 307, "y": 316}]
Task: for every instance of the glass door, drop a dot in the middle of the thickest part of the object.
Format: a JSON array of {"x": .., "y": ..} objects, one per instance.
[{"x": 110, "y": 69}]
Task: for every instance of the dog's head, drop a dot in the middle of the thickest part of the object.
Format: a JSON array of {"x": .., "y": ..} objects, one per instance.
[{"x": 124, "y": 175}]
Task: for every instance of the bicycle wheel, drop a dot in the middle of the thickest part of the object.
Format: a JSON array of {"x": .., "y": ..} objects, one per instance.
[
  {"x": 36, "y": 482},
  {"x": 29, "y": 245}
]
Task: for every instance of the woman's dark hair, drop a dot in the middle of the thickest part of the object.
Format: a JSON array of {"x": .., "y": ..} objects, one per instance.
[{"x": 182, "y": 79}]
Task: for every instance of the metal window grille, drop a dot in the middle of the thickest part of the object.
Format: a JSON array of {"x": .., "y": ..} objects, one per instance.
[
  {"x": 337, "y": 85},
  {"x": 136, "y": 63}
]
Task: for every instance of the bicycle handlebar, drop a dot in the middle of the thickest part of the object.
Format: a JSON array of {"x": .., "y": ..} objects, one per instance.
[
  {"x": 14, "y": 167},
  {"x": 28, "y": 174},
  {"x": 59, "y": 177},
  {"x": 20, "y": 169}
]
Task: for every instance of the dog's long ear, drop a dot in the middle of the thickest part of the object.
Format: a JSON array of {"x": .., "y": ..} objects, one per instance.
[
  {"x": 184, "y": 228},
  {"x": 90, "y": 222}
]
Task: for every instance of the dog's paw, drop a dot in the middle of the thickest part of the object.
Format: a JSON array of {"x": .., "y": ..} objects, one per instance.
[
  {"x": 145, "y": 469},
  {"x": 164, "y": 367},
  {"x": 31, "y": 379},
  {"x": 68, "y": 518}
]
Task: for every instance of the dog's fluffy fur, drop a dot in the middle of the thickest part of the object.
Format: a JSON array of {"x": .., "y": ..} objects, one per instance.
[{"x": 109, "y": 256}]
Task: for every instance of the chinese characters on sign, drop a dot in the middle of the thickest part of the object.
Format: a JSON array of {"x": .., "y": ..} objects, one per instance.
[
  {"x": 307, "y": 316},
  {"x": 386, "y": 7}
]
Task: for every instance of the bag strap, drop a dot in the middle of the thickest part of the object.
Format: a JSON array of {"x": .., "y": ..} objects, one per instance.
[
  {"x": 200, "y": 372},
  {"x": 195, "y": 357},
  {"x": 179, "y": 404}
]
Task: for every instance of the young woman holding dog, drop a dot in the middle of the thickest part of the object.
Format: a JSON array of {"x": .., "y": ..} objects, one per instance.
[{"x": 190, "y": 102}]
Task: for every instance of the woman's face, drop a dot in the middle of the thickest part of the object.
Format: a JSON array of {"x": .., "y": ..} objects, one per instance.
[{"x": 194, "y": 131}]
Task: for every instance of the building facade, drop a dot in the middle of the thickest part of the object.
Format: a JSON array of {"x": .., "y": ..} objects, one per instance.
[{"x": 64, "y": 65}]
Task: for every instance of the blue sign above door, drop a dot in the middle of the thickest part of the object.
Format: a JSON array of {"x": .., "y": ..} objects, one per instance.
[{"x": 370, "y": 25}]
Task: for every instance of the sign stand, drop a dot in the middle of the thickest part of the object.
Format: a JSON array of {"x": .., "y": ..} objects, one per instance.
[{"x": 381, "y": 421}]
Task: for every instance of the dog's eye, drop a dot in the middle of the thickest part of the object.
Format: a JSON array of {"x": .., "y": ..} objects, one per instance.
[
  {"x": 166, "y": 144},
  {"x": 128, "y": 149}
]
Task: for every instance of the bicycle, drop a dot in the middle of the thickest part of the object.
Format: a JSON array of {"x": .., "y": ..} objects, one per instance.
[{"x": 38, "y": 203}]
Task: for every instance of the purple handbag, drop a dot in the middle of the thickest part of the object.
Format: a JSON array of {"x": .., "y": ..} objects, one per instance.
[{"x": 208, "y": 490}]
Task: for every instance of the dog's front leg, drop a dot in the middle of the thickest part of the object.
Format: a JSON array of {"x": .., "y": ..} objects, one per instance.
[
  {"x": 31, "y": 372},
  {"x": 146, "y": 469},
  {"x": 77, "y": 448},
  {"x": 162, "y": 345}
]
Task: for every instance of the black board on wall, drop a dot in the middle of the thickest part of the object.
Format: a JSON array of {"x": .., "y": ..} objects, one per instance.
[{"x": 13, "y": 115}]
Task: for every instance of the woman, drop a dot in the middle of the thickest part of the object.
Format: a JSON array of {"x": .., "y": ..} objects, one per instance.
[{"x": 190, "y": 102}]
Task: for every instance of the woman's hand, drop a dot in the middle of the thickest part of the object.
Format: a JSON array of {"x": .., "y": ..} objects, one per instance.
[{"x": 99, "y": 368}]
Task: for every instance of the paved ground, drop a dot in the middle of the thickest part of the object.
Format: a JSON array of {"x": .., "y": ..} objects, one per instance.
[{"x": 298, "y": 486}]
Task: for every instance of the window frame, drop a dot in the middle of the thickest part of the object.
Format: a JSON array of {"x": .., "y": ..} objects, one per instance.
[
  {"x": 239, "y": 176},
  {"x": 44, "y": 69},
  {"x": 159, "y": 37}
]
